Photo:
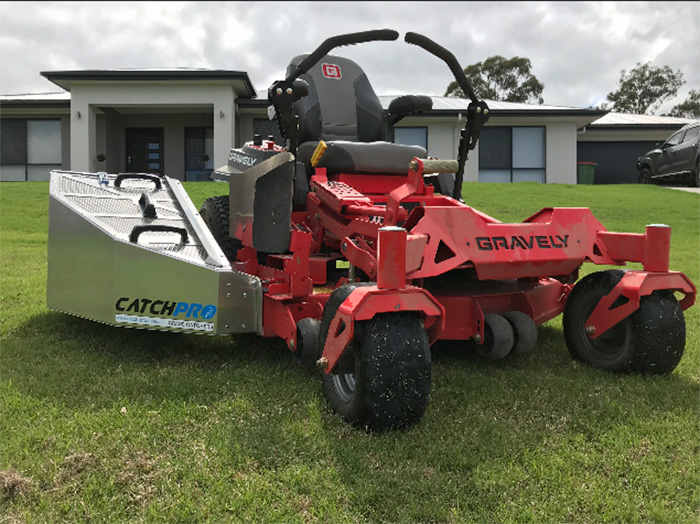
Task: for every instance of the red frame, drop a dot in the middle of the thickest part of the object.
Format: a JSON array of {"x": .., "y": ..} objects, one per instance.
[{"x": 524, "y": 267}]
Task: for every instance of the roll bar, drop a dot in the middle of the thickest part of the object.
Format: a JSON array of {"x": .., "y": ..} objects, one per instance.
[
  {"x": 477, "y": 112},
  {"x": 338, "y": 41},
  {"x": 447, "y": 57}
]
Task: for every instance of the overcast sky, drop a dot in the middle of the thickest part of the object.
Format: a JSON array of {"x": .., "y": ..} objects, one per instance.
[{"x": 577, "y": 49}]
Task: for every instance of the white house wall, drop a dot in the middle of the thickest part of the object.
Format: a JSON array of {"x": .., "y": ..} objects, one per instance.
[
  {"x": 560, "y": 145},
  {"x": 153, "y": 98},
  {"x": 444, "y": 135},
  {"x": 560, "y": 150}
]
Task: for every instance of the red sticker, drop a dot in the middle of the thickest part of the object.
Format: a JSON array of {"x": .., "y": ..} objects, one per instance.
[{"x": 331, "y": 71}]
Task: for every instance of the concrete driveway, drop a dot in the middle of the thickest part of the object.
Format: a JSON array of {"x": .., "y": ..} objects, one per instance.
[{"x": 689, "y": 189}]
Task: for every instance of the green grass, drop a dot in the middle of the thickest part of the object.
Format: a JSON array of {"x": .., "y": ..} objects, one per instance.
[{"x": 100, "y": 424}]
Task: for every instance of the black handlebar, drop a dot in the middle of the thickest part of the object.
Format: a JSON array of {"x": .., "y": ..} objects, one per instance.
[
  {"x": 136, "y": 232},
  {"x": 143, "y": 176},
  {"x": 477, "y": 112},
  {"x": 447, "y": 57},
  {"x": 338, "y": 41}
]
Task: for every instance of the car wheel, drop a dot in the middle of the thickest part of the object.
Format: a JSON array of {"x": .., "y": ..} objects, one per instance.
[{"x": 645, "y": 176}]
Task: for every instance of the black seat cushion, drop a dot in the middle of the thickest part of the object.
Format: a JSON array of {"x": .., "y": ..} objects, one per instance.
[
  {"x": 341, "y": 104},
  {"x": 361, "y": 157}
]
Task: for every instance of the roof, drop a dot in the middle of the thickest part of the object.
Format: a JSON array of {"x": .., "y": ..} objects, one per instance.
[
  {"x": 615, "y": 120},
  {"x": 451, "y": 105},
  {"x": 65, "y": 79},
  {"x": 454, "y": 104},
  {"x": 36, "y": 100}
]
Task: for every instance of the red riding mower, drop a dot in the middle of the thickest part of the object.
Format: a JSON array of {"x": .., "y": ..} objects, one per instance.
[{"x": 360, "y": 253}]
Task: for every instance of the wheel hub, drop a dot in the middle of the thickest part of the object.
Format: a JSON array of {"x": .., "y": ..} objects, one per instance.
[{"x": 345, "y": 385}]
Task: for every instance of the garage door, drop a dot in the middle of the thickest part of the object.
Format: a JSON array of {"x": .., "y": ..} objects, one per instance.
[{"x": 617, "y": 161}]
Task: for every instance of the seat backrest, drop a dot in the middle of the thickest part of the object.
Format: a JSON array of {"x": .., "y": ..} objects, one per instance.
[{"x": 341, "y": 104}]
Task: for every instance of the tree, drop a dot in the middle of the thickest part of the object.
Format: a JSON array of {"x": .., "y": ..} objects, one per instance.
[
  {"x": 498, "y": 78},
  {"x": 644, "y": 89},
  {"x": 690, "y": 108}
]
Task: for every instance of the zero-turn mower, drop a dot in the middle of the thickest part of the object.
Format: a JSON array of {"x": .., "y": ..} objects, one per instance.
[{"x": 358, "y": 252}]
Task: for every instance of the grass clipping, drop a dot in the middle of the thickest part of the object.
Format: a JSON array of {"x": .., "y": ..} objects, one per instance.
[{"x": 13, "y": 484}]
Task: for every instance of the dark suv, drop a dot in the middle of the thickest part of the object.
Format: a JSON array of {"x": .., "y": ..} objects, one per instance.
[{"x": 676, "y": 160}]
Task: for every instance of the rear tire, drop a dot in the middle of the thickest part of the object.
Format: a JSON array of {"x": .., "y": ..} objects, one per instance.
[
  {"x": 651, "y": 340},
  {"x": 390, "y": 385},
  {"x": 215, "y": 213}
]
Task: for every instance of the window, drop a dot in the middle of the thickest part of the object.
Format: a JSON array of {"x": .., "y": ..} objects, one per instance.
[
  {"x": 199, "y": 152},
  {"x": 512, "y": 154},
  {"x": 30, "y": 149},
  {"x": 411, "y": 136},
  {"x": 675, "y": 139},
  {"x": 266, "y": 128},
  {"x": 690, "y": 134}
]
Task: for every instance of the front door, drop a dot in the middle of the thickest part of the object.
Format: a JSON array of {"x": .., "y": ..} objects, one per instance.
[{"x": 144, "y": 150}]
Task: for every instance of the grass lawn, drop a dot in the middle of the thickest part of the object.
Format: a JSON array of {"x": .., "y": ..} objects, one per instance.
[{"x": 102, "y": 424}]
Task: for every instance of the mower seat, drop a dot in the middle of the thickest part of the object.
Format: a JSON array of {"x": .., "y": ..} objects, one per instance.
[
  {"x": 342, "y": 110},
  {"x": 361, "y": 157}
]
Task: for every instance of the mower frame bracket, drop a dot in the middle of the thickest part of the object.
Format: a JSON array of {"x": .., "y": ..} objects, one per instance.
[
  {"x": 633, "y": 286},
  {"x": 366, "y": 302}
]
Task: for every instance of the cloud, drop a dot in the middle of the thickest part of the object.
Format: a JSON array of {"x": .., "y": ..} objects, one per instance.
[{"x": 577, "y": 49}]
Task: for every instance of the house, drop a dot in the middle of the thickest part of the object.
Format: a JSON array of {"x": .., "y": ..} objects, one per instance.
[{"x": 183, "y": 122}]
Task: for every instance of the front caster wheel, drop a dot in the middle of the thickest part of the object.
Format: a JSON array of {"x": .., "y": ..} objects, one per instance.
[
  {"x": 388, "y": 384},
  {"x": 306, "y": 352},
  {"x": 651, "y": 340}
]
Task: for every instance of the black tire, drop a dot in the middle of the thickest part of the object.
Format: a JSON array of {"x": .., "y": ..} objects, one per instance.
[
  {"x": 650, "y": 341},
  {"x": 306, "y": 352},
  {"x": 215, "y": 213},
  {"x": 697, "y": 174},
  {"x": 645, "y": 176},
  {"x": 390, "y": 385},
  {"x": 525, "y": 332},
  {"x": 498, "y": 338}
]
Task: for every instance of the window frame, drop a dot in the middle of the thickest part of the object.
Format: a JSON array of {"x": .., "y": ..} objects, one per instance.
[
  {"x": 424, "y": 128},
  {"x": 27, "y": 165},
  {"x": 512, "y": 169}
]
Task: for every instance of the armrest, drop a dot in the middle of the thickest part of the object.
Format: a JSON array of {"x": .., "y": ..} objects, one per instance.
[{"x": 407, "y": 105}]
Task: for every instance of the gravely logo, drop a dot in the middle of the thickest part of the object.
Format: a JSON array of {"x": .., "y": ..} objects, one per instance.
[
  {"x": 241, "y": 159},
  {"x": 521, "y": 242}
]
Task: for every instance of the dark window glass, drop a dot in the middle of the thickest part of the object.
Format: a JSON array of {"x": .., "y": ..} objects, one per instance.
[
  {"x": 194, "y": 148},
  {"x": 496, "y": 148},
  {"x": 13, "y": 142},
  {"x": 265, "y": 128}
]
